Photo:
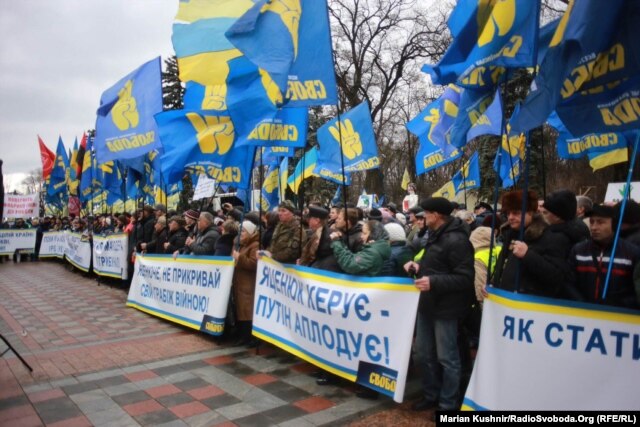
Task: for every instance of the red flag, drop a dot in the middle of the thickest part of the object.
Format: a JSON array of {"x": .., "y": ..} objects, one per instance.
[
  {"x": 80, "y": 156},
  {"x": 48, "y": 158}
]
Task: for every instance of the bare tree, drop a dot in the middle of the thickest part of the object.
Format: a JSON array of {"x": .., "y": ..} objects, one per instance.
[{"x": 379, "y": 45}]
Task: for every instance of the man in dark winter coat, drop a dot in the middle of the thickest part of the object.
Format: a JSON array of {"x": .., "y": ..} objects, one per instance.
[
  {"x": 317, "y": 252},
  {"x": 589, "y": 263},
  {"x": 445, "y": 278},
  {"x": 559, "y": 211},
  {"x": 159, "y": 237},
  {"x": 177, "y": 235},
  {"x": 630, "y": 229},
  {"x": 145, "y": 227},
  {"x": 539, "y": 257},
  {"x": 205, "y": 242}
]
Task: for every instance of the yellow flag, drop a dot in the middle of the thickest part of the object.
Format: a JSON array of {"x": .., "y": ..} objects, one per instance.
[
  {"x": 609, "y": 158},
  {"x": 405, "y": 180}
]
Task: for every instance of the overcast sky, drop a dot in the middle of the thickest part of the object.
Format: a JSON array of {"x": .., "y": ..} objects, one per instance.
[{"x": 56, "y": 59}]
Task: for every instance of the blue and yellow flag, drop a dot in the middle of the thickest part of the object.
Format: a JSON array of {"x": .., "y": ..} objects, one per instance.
[
  {"x": 602, "y": 149},
  {"x": 468, "y": 177},
  {"x": 430, "y": 157},
  {"x": 271, "y": 189},
  {"x": 304, "y": 169},
  {"x": 198, "y": 39},
  {"x": 435, "y": 122},
  {"x": 349, "y": 141},
  {"x": 59, "y": 177},
  {"x": 488, "y": 33},
  {"x": 287, "y": 129},
  {"x": 271, "y": 156},
  {"x": 480, "y": 113},
  {"x": 203, "y": 142},
  {"x": 291, "y": 40},
  {"x": 85, "y": 192},
  {"x": 330, "y": 174},
  {"x": 246, "y": 96},
  {"x": 267, "y": 34},
  {"x": 124, "y": 126},
  {"x": 509, "y": 159},
  {"x": 593, "y": 48},
  {"x": 447, "y": 191},
  {"x": 283, "y": 172}
]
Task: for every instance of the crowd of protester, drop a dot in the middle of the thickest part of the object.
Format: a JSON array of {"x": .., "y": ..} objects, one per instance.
[{"x": 557, "y": 247}]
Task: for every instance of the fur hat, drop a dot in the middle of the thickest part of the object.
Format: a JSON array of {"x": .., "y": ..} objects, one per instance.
[
  {"x": 512, "y": 201},
  {"x": 562, "y": 203},
  {"x": 437, "y": 204},
  {"x": 396, "y": 232}
]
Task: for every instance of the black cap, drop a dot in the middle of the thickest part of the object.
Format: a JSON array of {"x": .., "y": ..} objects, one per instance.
[
  {"x": 437, "y": 204},
  {"x": 375, "y": 215},
  {"x": 603, "y": 211},
  {"x": 485, "y": 205},
  {"x": 561, "y": 203},
  {"x": 318, "y": 212}
]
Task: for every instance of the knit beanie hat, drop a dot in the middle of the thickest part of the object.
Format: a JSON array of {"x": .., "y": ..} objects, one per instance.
[
  {"x": 249, "y": 227},
  {"x": 396, "y": 232},
  {"x": 562, "y": 203}
]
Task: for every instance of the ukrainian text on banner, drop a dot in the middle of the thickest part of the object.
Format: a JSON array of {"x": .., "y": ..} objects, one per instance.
[
  {"x": 78, "y": 251},
  {"x": 53, "y": 245},
  {"x": 544, "y": 354},
  {"x": 12, "y": 240},
  {"x": 17, "y": 206},
  {"x": 110, "y": 256},
  {"x": 359, "y": 328},
  {"x": 191, "y": 290}
]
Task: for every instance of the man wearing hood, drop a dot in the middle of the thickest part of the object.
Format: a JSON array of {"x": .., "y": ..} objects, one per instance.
[{"x": 445, "y": 278}]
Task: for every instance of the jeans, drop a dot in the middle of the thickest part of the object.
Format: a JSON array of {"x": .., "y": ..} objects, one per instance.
[{"x": 438, "y": 356}]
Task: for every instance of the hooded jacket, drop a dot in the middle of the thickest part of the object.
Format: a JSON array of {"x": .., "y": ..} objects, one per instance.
[
  {"x": 448, "y": 262},
  {"x": 368, "y": 261}
]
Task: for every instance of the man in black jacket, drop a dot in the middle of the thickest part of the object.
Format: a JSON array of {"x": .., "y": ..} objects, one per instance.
[
  {"x": 589, "y": 263},
  {"x": 205, "y": 242},
  {"x": 445, "y": 278}
]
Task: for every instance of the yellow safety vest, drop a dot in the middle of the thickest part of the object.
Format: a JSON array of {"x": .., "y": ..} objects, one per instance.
[{"x": 483, "y": 256}]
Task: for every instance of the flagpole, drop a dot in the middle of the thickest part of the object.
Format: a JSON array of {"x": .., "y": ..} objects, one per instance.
[
  {"x": 260, "y": 207},
  {"x": 623, "y": 205}
]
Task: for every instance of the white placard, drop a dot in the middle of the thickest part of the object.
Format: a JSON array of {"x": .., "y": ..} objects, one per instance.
[
  {"x": 110, "y": 255},
  {"x": 204, "y": 188},
  {"x": 18, "y": 206},
  {"x": 615, "y": 191},
  {"x": 12, "y": 240}
]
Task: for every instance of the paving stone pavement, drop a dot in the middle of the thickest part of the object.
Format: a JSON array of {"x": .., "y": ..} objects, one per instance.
[{"x": 99, "y": 363}]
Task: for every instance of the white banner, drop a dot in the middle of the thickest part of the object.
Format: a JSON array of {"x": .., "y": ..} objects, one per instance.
[
  {"x": 54, "y": 244},
  {"x": 17, "y": 206},
  {"x": 544, "y": 354},
  {"x": 78, "y": 251},
  {"x": 11, "y": 240},
  {"x": 615, "y": 191},
  {"x": 204, "y": 188},
  {"x": 359, "y": 328},
  {"x": 110, "y": 255},
  {"x": 191, "y": 290}
]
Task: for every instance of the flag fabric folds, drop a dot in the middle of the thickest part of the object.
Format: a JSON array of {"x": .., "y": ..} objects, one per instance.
[
  {"x": 348, "y": 139},
  {"x": 480, "y": 113},
  {"x": 267, "y": 34},
  {"x": 435, "y": 121},
  {"x": 468, "y": 177},
  {"x": 593, "y": 48},
  {"x": 85, "y": 192},
  {"x": 198, "y": 39},
  {"x": 124, "y": 126},
  {"x": 510, "y": 157},
  {"x": 488, "y": 33},
  {"x": 430, "y": 157},
  {"x": 203, "y": 142},
  {"x": 304, "y": 169},
  {"x": 59, "y": 174},
  {"x": 602, "y": 149},
  {"x": 406, "y": 179},
  {"x": 447, "y": 191},
  {"x": 270, "y": 189},
  {"x": 47, "y": 158},
  {"x": 287, "y": 129}
]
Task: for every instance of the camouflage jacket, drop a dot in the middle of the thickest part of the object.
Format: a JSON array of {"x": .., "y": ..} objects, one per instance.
[{"x": 285, "y": 243}]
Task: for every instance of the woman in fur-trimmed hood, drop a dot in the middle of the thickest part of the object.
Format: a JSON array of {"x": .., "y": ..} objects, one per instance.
[{"x": 540, "y": 254}]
